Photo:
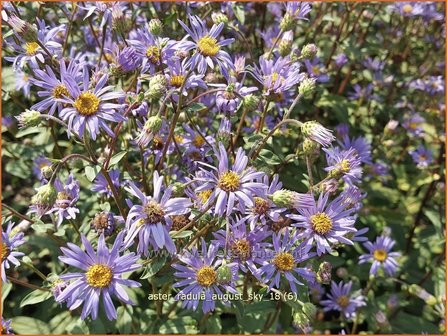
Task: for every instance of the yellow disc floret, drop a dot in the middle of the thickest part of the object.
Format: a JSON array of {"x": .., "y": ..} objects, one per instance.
[
  {"x": 241, "y": 248},
  {"x": 208, "y": 46},
  {"x": 407, "y": 9},
  {"x": 343, "y": 301},
  {"x": 87, "y": 104},
  {"x": 177, "y": 81},
  {"x": 153, "y": 54},
  {"x": 321, "y": 223},
  {"x": 5, "y": 251},
  {"x": 60, "y": 91},
  {"x": 284, "y": 261},
  {"x": 380, "y": 255},
  {"x": 206, "y": 276},
  {"x": 229, "y": 181},
  {"x": 99, "y": 276},
  {"x": 31, "y": 48}
]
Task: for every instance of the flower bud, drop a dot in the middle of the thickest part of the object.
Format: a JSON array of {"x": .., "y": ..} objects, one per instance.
[
  {"x": 25, "y": 29},
  {"x": 157, "y": 87},
  {"x": 309, "y": 51},
  {"x": 311, "y": 148},
  {"x": 155, "y": 26},
  {"x": 329, "y": 186},
  {"x": 251, "y": 102},
  {"x": 178, "y": 189},
  {"x": 103, "y": 223},
  {"x": 29, "y": 118},
  {"x": 224, "y": 133},
  {"x": 301, "y": 321},
  {"x": 285, "y": 46},
  {"x": 324, "y": 273},
  {"x": 219, "y": 17},
  {"x": 46, "y": 172},
  {"x": 44, "y": 199},
  {"x": 224, "y": 273},
  {"x": 310, "y": 310},
  {"x": 291, "y": 199},
  {"x": 421, "y": 293},
  {"x": 120, "y": 22},
  {"x": 153, "y": 124},
  {"x": 287, "y": 22},
  {"x": 307, "y": 87},
  {"x": 179, "y": 222},
  {"x": 316, "y": 132}
]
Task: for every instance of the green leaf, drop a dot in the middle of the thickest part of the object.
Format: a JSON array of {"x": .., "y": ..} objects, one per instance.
[
  {"x": 214, "y": 325},
  {"x": 91, "y": 172},
  {"x": 117, "y": 158},
  {"x": 60, "y": 322},
  {"x": 29, "y": 326},
  {"x": 6, "y": 288},
  {"x": 182, "y": 234},
  {"x": 179, "y": 325},
  {"x": 124, "y": 321},
  {"x": 152, "y": 268},
  {"x": 239, "y": 12},
  {"x": 41, "y": 227},
  {"x": 35, "y": 297}
]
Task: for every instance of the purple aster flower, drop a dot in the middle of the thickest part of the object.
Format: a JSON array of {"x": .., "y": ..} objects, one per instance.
[
  {"x": 316, "y": 69},
  {"x": 342, "y": 300},
  {"x": 413, "y": 124},
  {"x": 340, "y": 60},
  {"x": 6, "y": 327},
  {"x": 317, "y": 132},
  {"x": 432, "y": 85},
  {"x": 263, "y": 208},
  {"x": 151, "y": 220},
  {"x": 343, "y": 163},
  {"x": 277, "y": 76},
  {"x": 54, "y": 87},
  {"x": 40, "y": 165},
  {"x": 342, "y": 130},
  {"x": 361, "y": 147},
  {"x": 363, "y": 93},
  {"x": 102, "y": 275},
  {"x": 23, "y": 83},
  {"x": 228, "y": 101},
  {"x": 105, "y": 223},
  {"x": 203, "y": 275},
  {"x": 316, "y": 291},
  {"x": 422, "y": 156},
  {"x": 325, "y": 223},
  {"x": 283, "y": 261},
  {"x": 381, "y": 256},
  {"x": 207, "y": 47},
  {"x": 230, "y": 184},
  {"x": 244, "y": 245},
  {"x": 67, "y": 196},
  {"x": 379, "y": 169},
  {"x": 10, "y": 242},
  {"x": 102, "y": 186},
  {"x": 352, "y": 197},
  {"x": 297, "y": 10},
  {"x": 125, "y": 60},
  {"x": 177, "y": 75},
  {"x": 408, "y": 9},
  {"x": 90, "y": 108}
]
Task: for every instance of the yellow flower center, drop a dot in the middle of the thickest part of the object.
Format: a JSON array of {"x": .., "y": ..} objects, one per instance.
[
  {"x": 276, "y": 76},
  {"x": 153, "y": 54},
  {"x": 261, "y": 206},
  {"x": 380, "y": 255},
  {"x": 344, "y": 166},
  {"x": 178, "y": 138},
  {"x": 4, "y": 253},
  {"x": 321, "y": 223},
  {"x": 99, "y": 276},
  {"x": 229, "y": 181},
  {"x": 157, "y": 143},
  {"x": 315, "y": 70},
  {"x": 154, "y": 212},
  {"x": 241, "y": 248},
  {"x": 343, "y": 301},
  {"x": 101, "y": 221},
  {"x": 204, "y": 195},
  {"x": 413, "y": 125},
  {"x": 407, "y": 9},
  {"x": 208, "y": 46},
  {"x": 87, "y": 104},
  {"x": 206, "y": 276},
  {"x": 284, "y": 261},
  {"x": 31, "y": 48},
  {"x": 198, "y": 141},
  {"x": 177, "y": 80},
  {"x": 60, "y": 91}
]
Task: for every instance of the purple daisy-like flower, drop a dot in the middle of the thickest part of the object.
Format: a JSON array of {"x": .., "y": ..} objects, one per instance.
[
  {"x": 277, "y": 76},
  {"x": 283, "y": 260},
  {"x": 340, "y": 60},
  {"x": 244, "y": 245},
  {"x": 207, "y": 47},
  {"x": 40, "y": 164},
  {"x": 126, "y": 59},
  {"x": 227, "y": 101},
  {"x": 422, "y": 156},
  {"x": 90, "y": 108},
  {"x": 102, "y": 186},
  {"x": 152, "y": 220},
  {"x": 102, "y": 275},
  {"x": 263, "y": 208},
  {"x": 408, "y": 9},
  {"x": 230, "y": 183},
  {"x": 6, "y": 327},
  {"x": 202, "y": 276},
  {"x": 67, "y": 196},
  {"x": 352, "y": 197},
  {"x": 413, "y": 124},
  {"x": 177, "y": 76},
  {"x": 381, "y": 256},
  {"x": 361, "y": 146},
  {"x": 342, "y": 300},
  {"x": 10, "y": 242},
  {"x": 345, "y": 163},
  {"x": 325, "y": 223},
  {"x": 298, "y": 10},
  {"x": 360, "y": 92},
  {"x": 53, "y": 87},
  {"x": 315, "y": 69}
]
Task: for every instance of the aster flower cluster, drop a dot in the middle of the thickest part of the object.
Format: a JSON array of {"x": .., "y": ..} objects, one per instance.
[{"x": 203, "y": 156}]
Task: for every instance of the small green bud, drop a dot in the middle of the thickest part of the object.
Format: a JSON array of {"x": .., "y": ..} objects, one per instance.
[
  {"x": 287, "y": 22},
  {"x": 120, "y": 23},
  {"x": 311, "y": 148},
  {"x": 282, "y": 198},
  {"x": 310, "y": 310},
  {"x": 153, "y": 124},
  {"x": 178, "y": 189},
  {"x": 309, "y": 51},
  {"x": 46, "y": 172},
  {"x": 157, "y": 87},
  {"x": 300, "y": 320},
  {"x": 155, "y": 26},
  {"x": 251, "y": 102},
  {"x": 307, "y": 87},
  {"x": 224, "y": 273},
  {"x": 324, "y": 275},
  {"x": 285, "y": 47},
  {"x": 219, "y": 17},
  {"x": 44, "y": 199},
  {"x": 29, "y": 118}
]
